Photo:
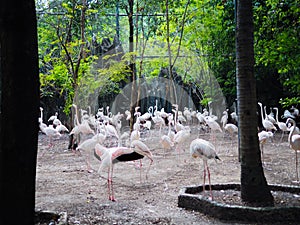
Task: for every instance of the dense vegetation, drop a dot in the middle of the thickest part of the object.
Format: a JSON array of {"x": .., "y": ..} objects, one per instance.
[{"x": 194, "y": 38}]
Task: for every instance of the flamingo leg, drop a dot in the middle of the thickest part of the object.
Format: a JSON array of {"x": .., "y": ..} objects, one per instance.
[
  {"x": 88, "y": 164},
  {"x": 108, "y": 184},
  {"x": 204, "y": 175},
  {"x": 50, "y": 142},
  {"x": 262, "y": 152},
  {"x": 151, "y": 161},
  {"x": 297, "y": 176},
  {"x": 177, "y": 151},
  {"x": 141, "y": 171},
  {"x": 111, "y": 195},
  {"x": 112, "y": 188},
  {"x": 282, "y": 133},
  {"x": 208, "y": 174}
]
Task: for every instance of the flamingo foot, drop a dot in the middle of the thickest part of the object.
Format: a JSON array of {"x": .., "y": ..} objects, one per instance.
[{"x": 112, "y": 198}]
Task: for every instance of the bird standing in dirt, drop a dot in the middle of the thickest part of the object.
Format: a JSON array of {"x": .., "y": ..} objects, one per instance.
[
  {"x": 294, "y": 141},
  {"x": 108, "y": 157},
  {"x": 180, "y": 138},
  {"x": 166, "y": 143},
  {"x": 50, "y": 132},
  {"x": 267, "y": 124},
  {"x": 263, "y": 137},
  {"x": 87, "y": 147},
  {"x": 282, "y": 126},
  {"x": 204, "y": 150},
  {"x": 113, "y": 155}
]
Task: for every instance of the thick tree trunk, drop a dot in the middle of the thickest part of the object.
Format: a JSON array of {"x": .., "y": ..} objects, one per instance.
[
  {"x": 254, "y": 187},
  {"x": 19, "y": 111}
]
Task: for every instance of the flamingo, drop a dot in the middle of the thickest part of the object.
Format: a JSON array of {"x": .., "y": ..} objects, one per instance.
[
  {"x": 263, "y": 136},
  {"x": 83, "y": 127},
  {"x": 143, "y": 150},
  {"x": 282, "y": 126},
  {"x": 166, "y": 143},
  {"x": 232, "y": 129},
  {"x": 267, "y": 124},
  {"x": 128, "y": 115},
  {"x": 200, "y": 148},
  {"x": 107, "y": 157},
  {"x": 180, "y": 117},
  {"x": 135, "y": 134},
  {"x": 224, "y": 118},
  {"x": 88, "y": 145},
  {"x": 177, "y": 125},
  {"x": 201, "y": 119},
  {"x": 50, "y": 132},
  {"x": 213, "y": 125},
  {"x": 112, "y": 131},
  {"x": 180, "y": 137},
  {"x": 188, "y": 114},
  {"x": 41, "y": 123},
  {"x": 234, "y": 117},
  {"x": 294, "y": 142},
  {"x": 270, "y": 116},
  {"x": 53, "y": 117},
  {"x": 113, "y": 155},
  {"x": 61, "y": 128}
]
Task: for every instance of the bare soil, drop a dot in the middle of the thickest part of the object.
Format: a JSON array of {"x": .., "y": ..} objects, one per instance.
[{"x": 64, "y": 185}]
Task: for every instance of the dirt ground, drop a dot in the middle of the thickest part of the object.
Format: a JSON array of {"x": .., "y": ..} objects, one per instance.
[{"x": 64, "y": 185}]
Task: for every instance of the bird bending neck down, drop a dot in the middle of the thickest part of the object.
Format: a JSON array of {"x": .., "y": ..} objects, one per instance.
[{"x": 113, "y": 155}]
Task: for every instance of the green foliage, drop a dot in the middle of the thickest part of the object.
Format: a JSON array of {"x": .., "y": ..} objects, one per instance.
[
  {"x": 289, "y": 102},
  {"x": 205, "y": 101},
  {"x": 278, "y": 39},
  {"x": 115, "y": 70},
  {"x": 202, "y": 44}
]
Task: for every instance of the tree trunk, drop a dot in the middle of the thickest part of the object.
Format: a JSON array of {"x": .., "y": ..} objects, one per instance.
[
  {"x": 254, "y": 187},
  {"x": 171, "y": 90},
  {"x": 133, "y": 101},
  {"x": 19, "y": 111}
]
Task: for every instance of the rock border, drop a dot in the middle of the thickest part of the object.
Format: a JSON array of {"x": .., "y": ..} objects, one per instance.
[
  {"x": 188, "y": 200},
  {"x": 50, "y": 217}
]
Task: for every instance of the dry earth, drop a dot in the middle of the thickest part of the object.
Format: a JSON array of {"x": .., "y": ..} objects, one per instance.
[{"x": 64, "y": 185}]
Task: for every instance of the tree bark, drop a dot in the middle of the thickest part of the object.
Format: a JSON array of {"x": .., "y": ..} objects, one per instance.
[
  {"x": 254, "y": 187},
  {"x": 132, "y": 65},
  {"x": 19, "y": 111}
]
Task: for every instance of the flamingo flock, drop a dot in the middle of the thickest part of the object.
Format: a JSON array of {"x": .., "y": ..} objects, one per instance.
[{"x": 102, "y": 135}]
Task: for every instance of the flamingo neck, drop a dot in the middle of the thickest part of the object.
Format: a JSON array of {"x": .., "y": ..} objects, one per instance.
[
  {"x": 262, "y": 113},
  {"x": 276, "y": 115},
  {"x": 292, "y": 131}
]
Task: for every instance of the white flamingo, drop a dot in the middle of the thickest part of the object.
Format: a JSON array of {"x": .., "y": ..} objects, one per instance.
[
  {"x": 200, "y": 148},
  {"x": 88, "y": 146},
  {"x": 111, "y": 156},
  {"x": 41, "y": 123},
  {"x": 263, "y": 137},
  {"x": 166, "y": 143},
  {"x": 50, "y": 132},
  {"x": 214, "y": 126},
  {"x": 282, "y": 126},
  {"x": 267, "y": 124},
  {"x": 53, "y": 117},
  {"x": 294, "y": 142},
  {"x": 180, "y": 138}
]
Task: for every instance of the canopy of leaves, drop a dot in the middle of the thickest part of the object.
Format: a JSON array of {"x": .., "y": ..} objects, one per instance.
[{"x": 202, "y": 43}]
